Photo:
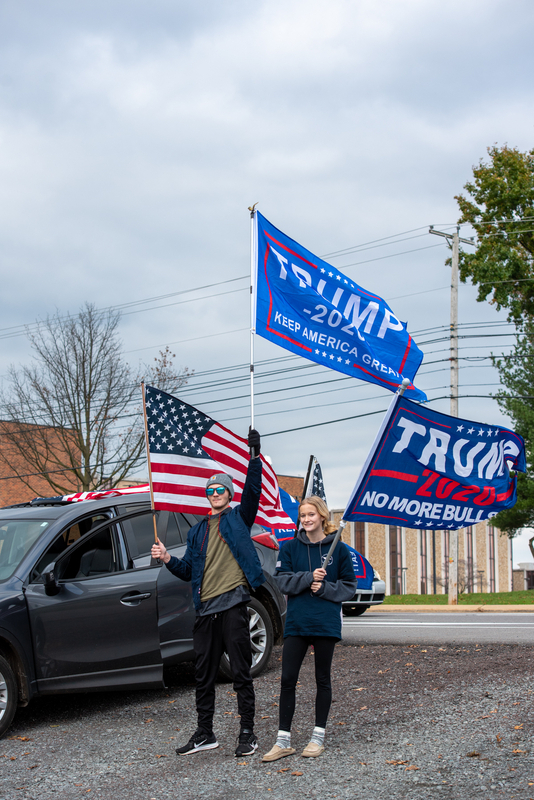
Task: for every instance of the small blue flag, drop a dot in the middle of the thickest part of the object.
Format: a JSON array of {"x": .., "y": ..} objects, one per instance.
[
  {"x": 309, "y": 307},
  {"x": 432, "y": 471}
]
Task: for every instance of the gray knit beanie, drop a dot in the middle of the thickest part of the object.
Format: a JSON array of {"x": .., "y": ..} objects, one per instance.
[{"x": 224, "y": 480}]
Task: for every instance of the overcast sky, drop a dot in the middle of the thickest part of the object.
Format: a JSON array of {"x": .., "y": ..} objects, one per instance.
[{"x": 134, "y": 134}]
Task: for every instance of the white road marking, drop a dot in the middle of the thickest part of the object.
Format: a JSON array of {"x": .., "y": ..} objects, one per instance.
[{"x": 445, "y": 624}]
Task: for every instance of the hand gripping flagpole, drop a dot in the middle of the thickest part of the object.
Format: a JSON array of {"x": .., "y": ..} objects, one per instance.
[
  {"x": 402, "y": 388},
  {"x": 148, "y": 464},
  {"x": 253, "y": 260},
  {"x": 333, "y": 546}
]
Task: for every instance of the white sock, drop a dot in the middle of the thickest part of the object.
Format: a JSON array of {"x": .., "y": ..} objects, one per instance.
[
  {"x": 284, "y": 739},
  {"x": 318, "y": 736}
]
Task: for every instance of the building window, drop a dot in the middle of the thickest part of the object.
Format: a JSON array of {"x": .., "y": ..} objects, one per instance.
[
  {"x": 359, "y": 537},
  {"x": 395, "y": 560},
  {"x": 446, "y": 539},
  {"x": 491, "y": 558},
  {"x": 423, "y": 561},
  {"x": 469, "y": 565}
]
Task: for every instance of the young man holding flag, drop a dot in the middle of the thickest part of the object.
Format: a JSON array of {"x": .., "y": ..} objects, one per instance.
[{"x": 221, "y": 562}]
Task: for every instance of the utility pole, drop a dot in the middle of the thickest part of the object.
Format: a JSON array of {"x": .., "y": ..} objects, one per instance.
[{"x": 454, "y": 240}]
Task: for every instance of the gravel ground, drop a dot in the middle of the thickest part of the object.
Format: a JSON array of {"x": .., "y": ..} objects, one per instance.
[{"x": 408, "y": 722}]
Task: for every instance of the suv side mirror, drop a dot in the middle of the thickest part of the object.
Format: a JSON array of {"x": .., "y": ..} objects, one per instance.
[{"x": 51, "y": 584}]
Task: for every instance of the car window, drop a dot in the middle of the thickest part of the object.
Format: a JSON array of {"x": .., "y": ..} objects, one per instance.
[
  {"x": 93, "y": 557},
  {"x": 141, "y": 528},
  {"x": 17, "y": 536},
  {"x": 66, "y": 539},
  {"x": 186, "y": 522},
  {"x": 139, "y": 533},
  {"x": 173, "y": 536}
]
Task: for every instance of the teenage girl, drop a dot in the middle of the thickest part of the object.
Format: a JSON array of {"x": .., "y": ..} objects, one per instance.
[{"x": 315, "y": 591}]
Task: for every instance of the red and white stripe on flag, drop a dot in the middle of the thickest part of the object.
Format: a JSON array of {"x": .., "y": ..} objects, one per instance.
[
  {"x": 79, "y": 497},
  {"x": 179, "y": 481}
]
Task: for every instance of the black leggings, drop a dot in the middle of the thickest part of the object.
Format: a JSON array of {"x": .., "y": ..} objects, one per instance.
[{"x": 295, "y": 648}]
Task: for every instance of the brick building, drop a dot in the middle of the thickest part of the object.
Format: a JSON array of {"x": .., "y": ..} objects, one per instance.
[
  {"x": 291, "y": 484},
  {"x": 13, "y": 489}
]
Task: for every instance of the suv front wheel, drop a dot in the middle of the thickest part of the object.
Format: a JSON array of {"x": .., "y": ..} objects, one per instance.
[
  {"x": 261, "y": 639},
  {"x": 8, "y": 695}
]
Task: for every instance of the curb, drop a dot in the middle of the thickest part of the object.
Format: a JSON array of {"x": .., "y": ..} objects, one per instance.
[{"x": 464, "y": 608}]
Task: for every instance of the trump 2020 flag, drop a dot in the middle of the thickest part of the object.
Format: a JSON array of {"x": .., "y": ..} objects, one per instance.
[
  {"x": 431, "y": 470},
  {"x": 187, "y": 447},
  {"x": 309, "y": 307}
]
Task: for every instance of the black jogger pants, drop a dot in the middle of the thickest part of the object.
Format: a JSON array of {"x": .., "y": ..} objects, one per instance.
[{"x": 214, "y": 634}]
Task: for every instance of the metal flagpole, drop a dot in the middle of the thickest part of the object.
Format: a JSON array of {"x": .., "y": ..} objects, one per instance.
[
  {"x": 333, "y": 546},
  {"x": 148, "y": 463},
  {"x": 252, "y": 210},
  {"x": 400, "y": 391},
  {"x": 305, "y": 492}
]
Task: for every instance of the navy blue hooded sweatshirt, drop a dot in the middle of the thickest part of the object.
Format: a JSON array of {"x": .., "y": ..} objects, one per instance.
[{"x": 319, "y": 613}]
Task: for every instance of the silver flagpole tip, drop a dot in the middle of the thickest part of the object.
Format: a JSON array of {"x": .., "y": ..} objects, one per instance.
[{"x": 404, "y": 385}]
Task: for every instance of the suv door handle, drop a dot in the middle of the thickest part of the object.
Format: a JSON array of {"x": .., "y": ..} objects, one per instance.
[{"x": 134, "y": 598}]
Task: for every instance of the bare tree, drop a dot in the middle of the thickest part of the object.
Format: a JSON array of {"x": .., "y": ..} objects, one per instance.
[
  {"x": 73, "y": 416},
  {"x": 470, "y": 579}
]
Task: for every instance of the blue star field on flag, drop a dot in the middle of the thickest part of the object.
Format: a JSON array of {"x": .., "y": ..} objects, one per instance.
[
  {"x": 317, "y": 482},
  {"x": 173, "y": 426}
]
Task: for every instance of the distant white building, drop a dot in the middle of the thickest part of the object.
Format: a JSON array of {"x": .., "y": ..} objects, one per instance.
[{"x": 523, "y": 578}]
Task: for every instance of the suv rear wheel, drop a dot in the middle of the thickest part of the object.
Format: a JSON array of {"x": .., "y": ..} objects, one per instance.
[
  {"x": 8, "y": 695},
  {"x": 261, "y": 639}
]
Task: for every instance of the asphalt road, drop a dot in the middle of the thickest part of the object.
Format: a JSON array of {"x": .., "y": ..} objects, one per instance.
[{"x": 440, "y": 628}]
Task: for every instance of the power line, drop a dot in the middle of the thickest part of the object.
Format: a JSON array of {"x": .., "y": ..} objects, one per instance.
[
  {"x": 182, "y": 341},
  {"x": 21, "y": 330},
  {"x": 392, "y": 255},
  {"x": 348, "y": 250}
]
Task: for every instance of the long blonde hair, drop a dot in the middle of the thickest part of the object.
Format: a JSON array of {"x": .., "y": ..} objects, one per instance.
[{"x": 322, "y": 509}]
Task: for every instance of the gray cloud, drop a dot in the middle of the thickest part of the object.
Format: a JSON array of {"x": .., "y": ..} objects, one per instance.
[{"x": 133, "y": 136}]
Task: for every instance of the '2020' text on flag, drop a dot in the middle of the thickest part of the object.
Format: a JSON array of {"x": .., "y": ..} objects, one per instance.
[
  {"x": 309, "y": 307},
  {"x": 187, "y": 447},
  {"x": 429, "y": 470}
]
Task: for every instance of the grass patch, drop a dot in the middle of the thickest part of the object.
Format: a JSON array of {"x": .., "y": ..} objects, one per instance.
[{"x": 476, "y": 598}]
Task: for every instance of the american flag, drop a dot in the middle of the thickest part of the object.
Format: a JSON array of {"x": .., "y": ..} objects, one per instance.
[
  {"x": 187, "y": 447},
  {"x": 79, "y": 497},
  {"x": 314, "y": 482}
]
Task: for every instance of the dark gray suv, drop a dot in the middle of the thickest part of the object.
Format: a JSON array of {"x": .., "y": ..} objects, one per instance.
[{"x": 83, "y": 607}]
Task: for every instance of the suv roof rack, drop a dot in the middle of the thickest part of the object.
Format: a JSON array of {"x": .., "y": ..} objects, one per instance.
[{"x": 48, "y": 501}]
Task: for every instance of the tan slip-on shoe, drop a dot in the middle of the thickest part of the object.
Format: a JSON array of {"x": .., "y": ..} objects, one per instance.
[
  {"x": 313, "y": 750},
  {"x": 278, "y": 752}
]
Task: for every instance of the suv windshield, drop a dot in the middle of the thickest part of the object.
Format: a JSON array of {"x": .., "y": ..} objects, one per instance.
[{"x": 16, "y": 538}]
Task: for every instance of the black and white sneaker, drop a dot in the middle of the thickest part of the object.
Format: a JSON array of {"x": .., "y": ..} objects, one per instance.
[
  {"x": 247, "y": 743},
  {"x": 199, "y": 741}
]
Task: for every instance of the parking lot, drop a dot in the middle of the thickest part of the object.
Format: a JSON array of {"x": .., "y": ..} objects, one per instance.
[{"x": 408, "y": 721}]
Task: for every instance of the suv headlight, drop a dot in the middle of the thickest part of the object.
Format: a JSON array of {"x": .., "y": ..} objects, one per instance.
[{"x": 377, "y": 576}]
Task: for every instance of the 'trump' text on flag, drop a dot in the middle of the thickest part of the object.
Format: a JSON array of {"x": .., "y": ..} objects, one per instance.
[
  {"x": 429, "y": 470},
  {"x": 309, "y": 307},
  {"x": 187, "y": 447}
]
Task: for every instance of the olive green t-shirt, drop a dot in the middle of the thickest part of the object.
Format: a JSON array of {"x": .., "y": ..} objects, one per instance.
[{"x": 222, "y": 573}]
